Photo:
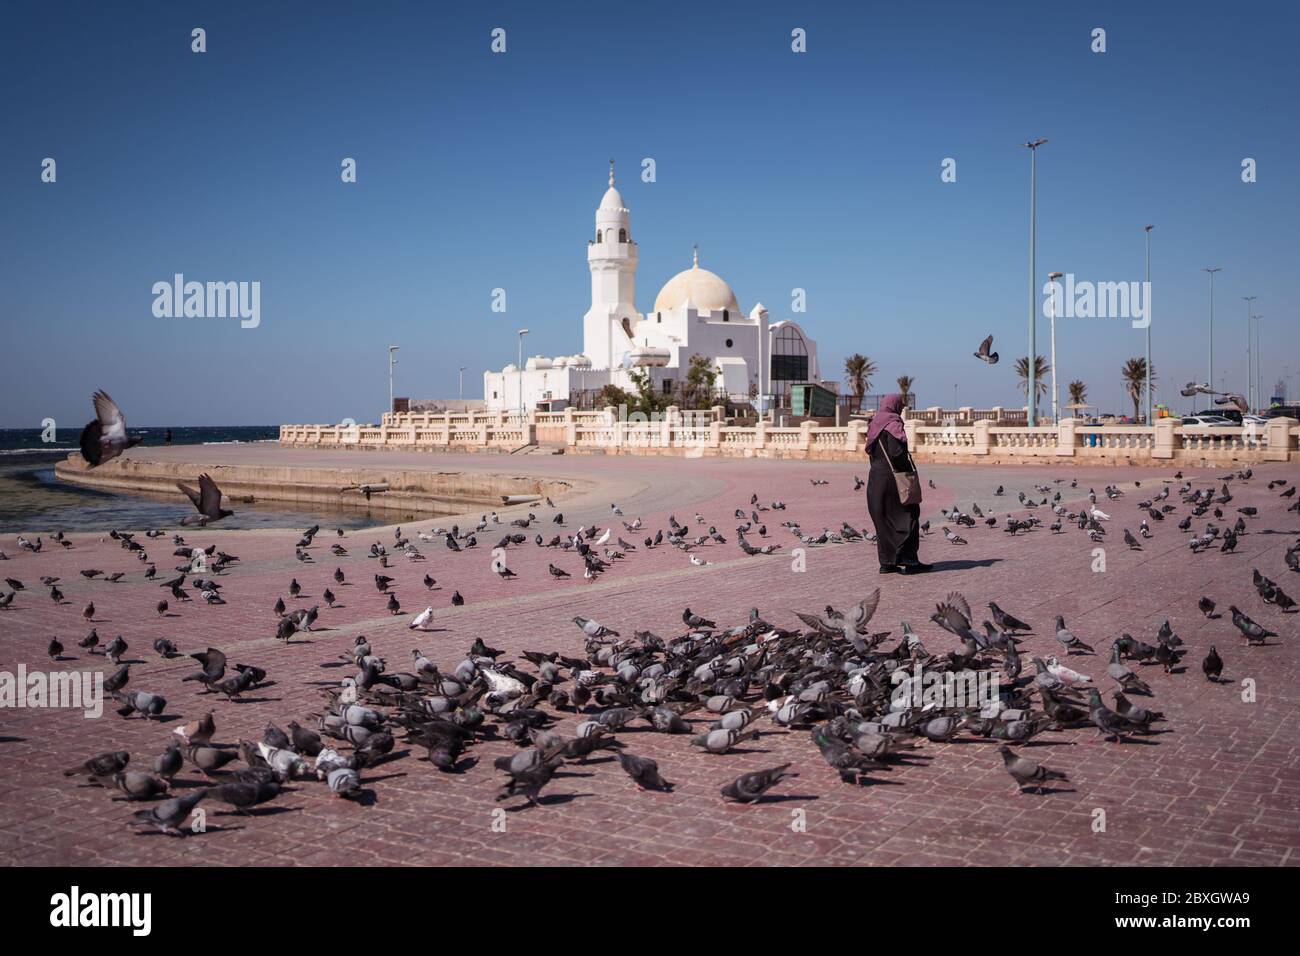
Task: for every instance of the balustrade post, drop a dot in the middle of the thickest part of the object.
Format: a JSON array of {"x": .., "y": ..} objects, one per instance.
[
  {"x": 1164, "y": 439},
  {"x": 805, "y": 434},
  {"x": 1065, "y": 437},
  {"x": 1278, "y": 433}
]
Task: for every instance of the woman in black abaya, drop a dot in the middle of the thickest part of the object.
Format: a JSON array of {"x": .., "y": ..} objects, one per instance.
[{"x": 898, "y": 526}]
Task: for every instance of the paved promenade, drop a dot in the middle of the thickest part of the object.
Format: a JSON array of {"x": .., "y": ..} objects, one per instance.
[{"x": 1220, "y": 786}]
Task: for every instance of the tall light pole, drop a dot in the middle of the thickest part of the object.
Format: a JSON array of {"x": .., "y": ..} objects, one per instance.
[
  {"x": 1259, "y": 373},
  {"x": 1250, "y": 368},
  {"x": 1032, "y": 146},
  {"x": 462, "y": 383},
  {"x": 521, "y": 333},
  {"x": 391, "y": 362},
  {"x": 1056, "y": 418},
  {"x": 1209, "y": 379},
  {"x": 1150, "y": 418}
]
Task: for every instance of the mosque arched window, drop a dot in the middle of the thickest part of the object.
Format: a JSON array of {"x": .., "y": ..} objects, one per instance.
[
  {"x": 598, "y": 235},
  {"x": 622, "y": 235},
  {"x": 789, "y": 356}
]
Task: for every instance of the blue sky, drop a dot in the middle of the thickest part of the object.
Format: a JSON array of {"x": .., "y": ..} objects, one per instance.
[{"x": 818, "y": 171}]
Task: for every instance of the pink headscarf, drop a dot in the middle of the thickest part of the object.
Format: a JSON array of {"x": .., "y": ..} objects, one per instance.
[{"x": 887, "y": 419}]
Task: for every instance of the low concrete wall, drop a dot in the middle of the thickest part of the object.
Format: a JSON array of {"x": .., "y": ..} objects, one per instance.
[
  {"x": 421, "y": 492},
  {"x": 990, "y": 439}
]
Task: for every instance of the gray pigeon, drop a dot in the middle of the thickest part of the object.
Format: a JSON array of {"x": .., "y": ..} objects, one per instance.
[
  {"x": 1067, "y": 639},
  {"x": 170, "y": 814},
  {"x": 1126, "y": 679},
  {"x": 721, "y": 740},
  {"x": 750, "y": 787},
  {"x": 1025, "y": 772},
  {"x": 644, "y": 771}
]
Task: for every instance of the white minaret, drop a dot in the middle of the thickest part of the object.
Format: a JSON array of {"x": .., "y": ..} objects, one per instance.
[{"x": 612, "y": 257}]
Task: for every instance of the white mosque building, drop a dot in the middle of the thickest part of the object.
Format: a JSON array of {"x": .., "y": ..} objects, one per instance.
[{"x": 695, "y": 313}]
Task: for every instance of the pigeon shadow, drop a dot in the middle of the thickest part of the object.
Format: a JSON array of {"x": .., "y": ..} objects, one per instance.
[
  {"x": 386, "y": 776},
  {"x": 571, "y": 773},
  {"x": 259, "y": 811},
  {"x": 552, "y": 800},
  {"x": 781, "y": 798},
  {"x": 390, "y": 757},
  {"x": 1047, "y": 791},
  {"x": 963, "y": 565}
]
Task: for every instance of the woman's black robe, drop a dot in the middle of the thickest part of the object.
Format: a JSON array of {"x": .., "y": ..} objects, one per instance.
[{"x": 898, "y": 526}]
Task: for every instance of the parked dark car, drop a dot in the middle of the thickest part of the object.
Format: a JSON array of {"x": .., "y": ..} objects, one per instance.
[
  {"x": 1283, "y": 411},
  {"x": 1226, "y": 412}
]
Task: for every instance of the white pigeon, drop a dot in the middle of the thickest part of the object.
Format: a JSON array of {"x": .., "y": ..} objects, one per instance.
[
  {"x": 348, "y": 695},
  {"x": 421, "y": 619},
  {"x": 698, "y": 561},
  {"x": 500, "y": 683},
  {"x": 1099, "y": 514},
  {"x": 1066, "y": 674},
  {"x": 604, "y": 537}
]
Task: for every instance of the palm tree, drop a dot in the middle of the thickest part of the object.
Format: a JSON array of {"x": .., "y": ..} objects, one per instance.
[
  {"x": 905, "y": 383},
  {"x": 1135, "y": 376},
  {"x": 1041, "y": 368},
  {"x": 1078, "y": 392},
  {"x": 858, "y": 370}
]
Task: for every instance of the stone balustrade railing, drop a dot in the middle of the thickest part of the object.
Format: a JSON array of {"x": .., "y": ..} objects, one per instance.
[
  {"x": 983, "y": 439},
  {"x": 967, "y": 415}
]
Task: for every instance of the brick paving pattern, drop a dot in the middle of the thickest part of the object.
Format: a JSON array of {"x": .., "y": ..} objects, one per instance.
[{"x": 1222, "y": 786}]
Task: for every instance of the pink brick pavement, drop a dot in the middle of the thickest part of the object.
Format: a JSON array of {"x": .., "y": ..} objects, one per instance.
[{"x": 1222, "y": 787}]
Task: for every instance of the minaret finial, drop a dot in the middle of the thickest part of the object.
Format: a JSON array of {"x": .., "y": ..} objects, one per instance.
[
  {"x": 611, "y": 172},
  {"x": 695, "y": 256}
]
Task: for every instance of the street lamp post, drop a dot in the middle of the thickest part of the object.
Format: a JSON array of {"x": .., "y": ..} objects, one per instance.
[
  {"x": 1209, "y": 379},
  {"x": 391, "y": 362},
  {"x": 1150, "y": 419},
  {"x": 1250, "y": 367},
  {"x": 521, "y": 333},
  {"x": 1056, "y": 418},
  {"x": 1259, "y": 373},
  {"x": 462, "y": 383},
  {"x": 1032, "y": 146}
]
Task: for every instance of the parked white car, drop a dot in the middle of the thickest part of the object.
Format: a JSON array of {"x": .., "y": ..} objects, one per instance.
[{"x": 1208, "y": 421}]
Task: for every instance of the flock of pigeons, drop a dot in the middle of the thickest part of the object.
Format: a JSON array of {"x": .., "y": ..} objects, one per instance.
[{"x": 834, "y": 679}]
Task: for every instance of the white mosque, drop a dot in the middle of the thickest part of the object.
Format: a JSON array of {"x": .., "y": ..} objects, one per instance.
[{"x": 695, "y": 313}]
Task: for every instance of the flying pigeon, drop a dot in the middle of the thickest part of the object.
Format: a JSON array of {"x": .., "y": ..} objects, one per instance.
[
  {"x": 984, "y": 355},
  {"x": 106, "y": 438},
  {"x": 207, "y": 501}
]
